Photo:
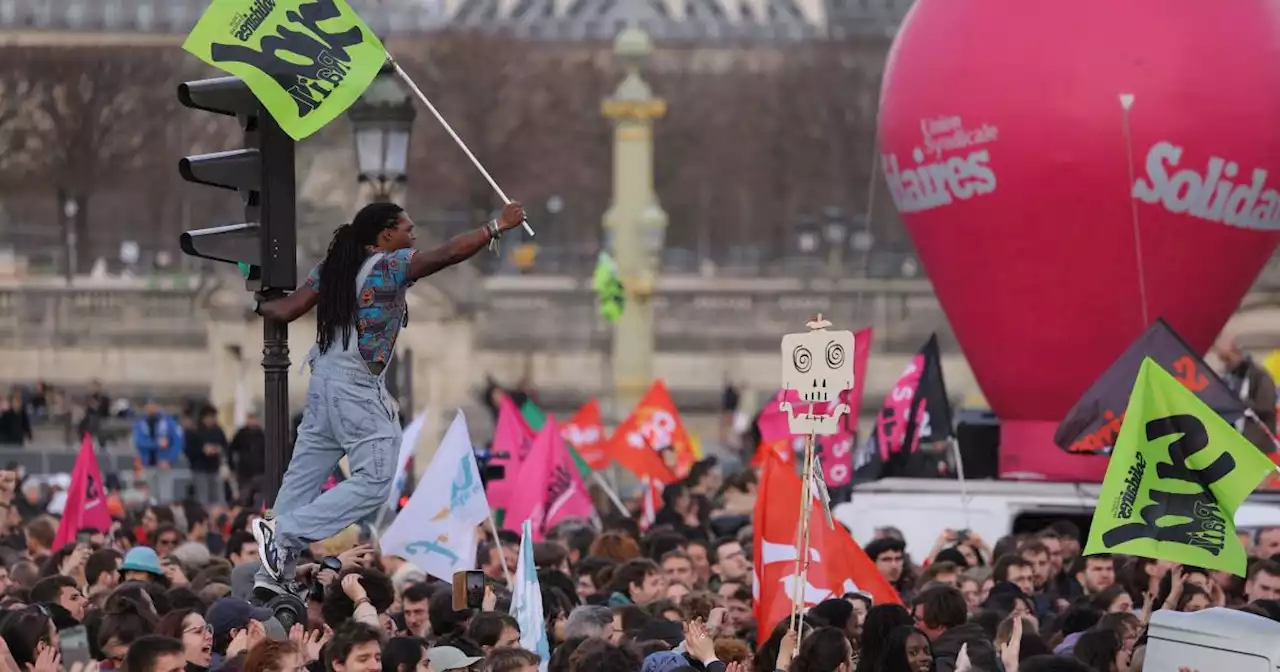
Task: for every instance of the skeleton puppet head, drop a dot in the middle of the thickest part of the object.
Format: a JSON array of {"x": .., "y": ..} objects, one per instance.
[{"x": 817, "y": 364}]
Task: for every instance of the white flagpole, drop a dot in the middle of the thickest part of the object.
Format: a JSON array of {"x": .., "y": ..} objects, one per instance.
[
  {"x": 964, "y": 487},
  {"x": 608, "y": 491},
  {"x": 449, "y": 129},
  {"x": 497, "y": 540}
]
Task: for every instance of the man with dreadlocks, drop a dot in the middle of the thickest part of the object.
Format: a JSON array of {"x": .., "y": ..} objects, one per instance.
[{"x": 358, "y": 291}]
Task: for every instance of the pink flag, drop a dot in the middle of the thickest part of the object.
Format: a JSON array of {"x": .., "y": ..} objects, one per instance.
[
  {"x": 550, "y": 487},
  {"x": 837, "y": 449},
  {"x": 529, "y": 501},
  {"x": 567, "y": 495},
  {"x": 512, "y": 441},
  {"x": 86, "y": 500}
]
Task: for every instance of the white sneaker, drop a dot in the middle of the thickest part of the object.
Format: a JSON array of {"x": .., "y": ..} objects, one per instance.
[{"x": 264, "y": 532}]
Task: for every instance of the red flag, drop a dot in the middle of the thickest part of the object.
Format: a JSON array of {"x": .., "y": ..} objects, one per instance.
[
  {"x": 585, "y": 432},
  {"x": 550, "y": 488},
  {"x": 86, "y": 500},
  {"x": 837, "y": 449},
  {"x": 784, "y": 449},
  {"x": 653, "y": 426},
  {"x": 837, "y": 565}
]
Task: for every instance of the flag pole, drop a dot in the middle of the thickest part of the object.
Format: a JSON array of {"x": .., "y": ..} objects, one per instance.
[
  {"x": 610, "y": 493},
  {"x": 810, "y": 457},
  {"x": 964, "y": 486},
  {"x": 802, "y": 546},
  {"x": 449, "y": 129},
  {"x": 1248, "y": 413},
  {"x": 497, "y": 540}
]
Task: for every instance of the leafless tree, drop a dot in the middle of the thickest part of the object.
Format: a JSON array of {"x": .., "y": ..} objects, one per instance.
[
  {"x": 481, "y": 84},
  {"x": 88, "y": 119},
  {"x": 15, "y": 93}
]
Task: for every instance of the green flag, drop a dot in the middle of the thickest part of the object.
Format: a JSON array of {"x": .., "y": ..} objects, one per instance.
[
  {"x": 611, "y": 296},
  {"x": 307, "y": 61},
  {"x": 1176, "y": 477},
  {"x": 535, "y": 418}
]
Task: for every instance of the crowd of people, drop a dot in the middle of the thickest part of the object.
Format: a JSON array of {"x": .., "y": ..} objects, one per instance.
[{"x": 169, "y": 587}]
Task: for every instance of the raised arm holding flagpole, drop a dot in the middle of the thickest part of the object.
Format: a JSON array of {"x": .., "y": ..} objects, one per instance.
[{"x": 307, "y": 61}]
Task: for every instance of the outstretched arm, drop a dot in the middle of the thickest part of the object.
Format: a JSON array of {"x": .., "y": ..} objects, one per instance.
[
  {"x": 291, "y": 307},
  {"x": 464, "y": 245}
]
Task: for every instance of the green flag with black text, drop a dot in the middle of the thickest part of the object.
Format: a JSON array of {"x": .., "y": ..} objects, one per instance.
[
  {"x": 307, "y": 61},
  {"x": 1176, "y": 477},
  {"x": 610, "y": 294}
]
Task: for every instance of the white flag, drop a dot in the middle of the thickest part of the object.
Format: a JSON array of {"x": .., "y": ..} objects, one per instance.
[
  {"x": 407, "y": 443},
  {"x": 526, "y": 601},
  {"x": 436, "y": 530}
]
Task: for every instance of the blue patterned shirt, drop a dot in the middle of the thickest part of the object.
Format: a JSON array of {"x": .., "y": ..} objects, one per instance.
[{"x": 380, "y": 305}]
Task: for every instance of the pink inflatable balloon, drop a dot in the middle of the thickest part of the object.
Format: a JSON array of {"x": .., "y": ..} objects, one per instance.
[{"x": 1070, "y": 172}]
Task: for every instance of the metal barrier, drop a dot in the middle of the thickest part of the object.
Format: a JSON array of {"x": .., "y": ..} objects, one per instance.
[{"x": 44, "y": 460}]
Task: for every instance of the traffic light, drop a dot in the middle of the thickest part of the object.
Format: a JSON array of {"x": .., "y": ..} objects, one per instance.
[{"x": 264, "y": 246}]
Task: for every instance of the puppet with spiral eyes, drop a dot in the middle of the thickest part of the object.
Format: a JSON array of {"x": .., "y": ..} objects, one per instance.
[{"x": 816, "y": 365}]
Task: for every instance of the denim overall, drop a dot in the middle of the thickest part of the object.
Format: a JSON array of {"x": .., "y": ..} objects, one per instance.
[{"x": 348, "y": 412}]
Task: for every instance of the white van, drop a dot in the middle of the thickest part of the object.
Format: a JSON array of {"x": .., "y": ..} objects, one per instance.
[
  {"x": 1212, "y": 640},
  {"x": 923, "y": 508}
]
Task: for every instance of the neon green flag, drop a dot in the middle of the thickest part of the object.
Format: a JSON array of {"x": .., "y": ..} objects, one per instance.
[
  {"x": 535, "y": 418},
  {"x": 306, "y": 60},
  {"x": 1176, "y": 477},
  {"x": 611, "y": 296}
]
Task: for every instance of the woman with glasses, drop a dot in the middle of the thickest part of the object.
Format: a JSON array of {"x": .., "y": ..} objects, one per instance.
[{"x": 196, "y": 636}]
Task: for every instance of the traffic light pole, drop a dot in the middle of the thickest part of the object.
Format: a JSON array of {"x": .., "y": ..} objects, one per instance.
[
  {"x": 278, "y": 423},
  {"x": 262, "y": 172},
  {"x": 278, "y": 208}
]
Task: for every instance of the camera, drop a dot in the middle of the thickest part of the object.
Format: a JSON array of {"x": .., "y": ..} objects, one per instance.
[{"x": 317, "y": 589}]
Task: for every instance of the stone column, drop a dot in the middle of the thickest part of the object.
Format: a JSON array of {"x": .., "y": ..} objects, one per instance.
[{"x": 635, "y": 222}]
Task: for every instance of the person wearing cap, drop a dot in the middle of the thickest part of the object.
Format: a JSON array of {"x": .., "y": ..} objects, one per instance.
[
  {"x": 227, "y": 618},
  {"x": 142, "y": 564},
  {"x": 444, "y": 658}
]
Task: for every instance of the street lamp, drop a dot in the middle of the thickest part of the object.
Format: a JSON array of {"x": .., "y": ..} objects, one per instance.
[
  {"x": 383, "y": 119},
  {"x": 835, "y": 230},
  {"x": 807, "y": 236},
  {"x": 70, "y": 208},
  {"x": 862, "y": 241}
]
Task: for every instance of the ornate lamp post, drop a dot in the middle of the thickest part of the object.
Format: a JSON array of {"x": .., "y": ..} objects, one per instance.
[
  {"x": 383, "y": 121},
  {"x": 635, "y": 222},
  {"x": 68, "y": 209}
]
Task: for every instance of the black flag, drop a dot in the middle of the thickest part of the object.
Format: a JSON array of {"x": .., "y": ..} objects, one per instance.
[
  {"x": 1092, "y": 425},
  {"x": 915, "y": 411}
]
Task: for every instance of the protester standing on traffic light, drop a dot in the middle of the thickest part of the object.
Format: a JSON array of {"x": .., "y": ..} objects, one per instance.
[{"x": 358, "y": 289}]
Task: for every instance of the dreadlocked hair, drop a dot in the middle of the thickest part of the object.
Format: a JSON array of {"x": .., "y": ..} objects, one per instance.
[{"x": 336, "y": 309}]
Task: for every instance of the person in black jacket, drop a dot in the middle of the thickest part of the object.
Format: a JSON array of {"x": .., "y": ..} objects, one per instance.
[
  {"x": 15, "y": 423},
  {"x": 205, "y": 444},
  {"x": 1253, "y": 384},
  {"x": 941, "y": 613},
  {"x": 247, "y": 457}
]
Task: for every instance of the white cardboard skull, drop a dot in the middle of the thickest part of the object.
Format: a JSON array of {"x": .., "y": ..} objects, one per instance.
[{"x": 817, "y": 365}]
